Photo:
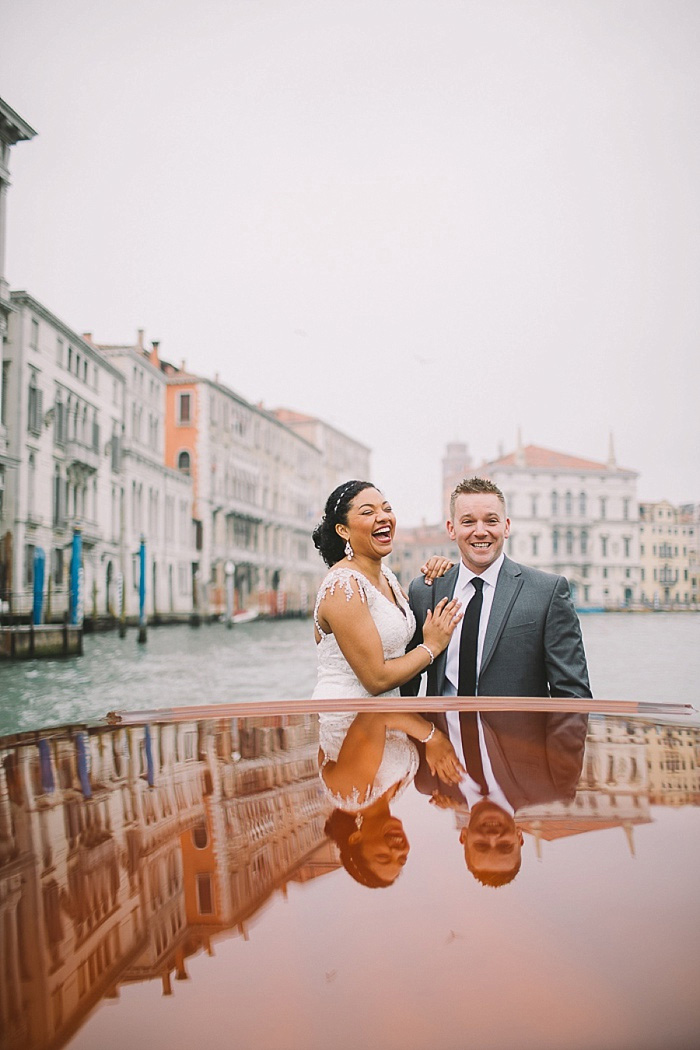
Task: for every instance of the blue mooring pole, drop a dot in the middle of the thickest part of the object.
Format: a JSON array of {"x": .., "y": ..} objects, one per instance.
[
  {"x": 142, "y": 591},
  {"x": 39, "y": 565},
  {"x": 76, "y": 598}
]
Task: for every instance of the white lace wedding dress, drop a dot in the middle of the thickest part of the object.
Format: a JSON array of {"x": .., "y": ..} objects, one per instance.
[{"x": 396, "y": 624}]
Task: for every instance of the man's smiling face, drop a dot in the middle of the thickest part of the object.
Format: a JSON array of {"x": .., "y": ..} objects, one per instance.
[{"x": 479, "y": 526}]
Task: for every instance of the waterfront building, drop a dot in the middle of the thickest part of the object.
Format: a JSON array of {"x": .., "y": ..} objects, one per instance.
[
  {"x": 150, "y": 500},
  {"x": 64, "y": 406},
  {"x": 342, "y": 457},
  {"x": 572, "y": 516},
  {"x": 13, "y": 129},
  {"x": 575, "y": 517},
  {"x": 668, "y": 537},
  {"x": 255, "y": 485}
]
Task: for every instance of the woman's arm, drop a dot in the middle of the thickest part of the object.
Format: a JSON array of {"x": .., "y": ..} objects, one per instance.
[
  {"x": 357, "y": 636},
  {"x": 361, "y": 752}
]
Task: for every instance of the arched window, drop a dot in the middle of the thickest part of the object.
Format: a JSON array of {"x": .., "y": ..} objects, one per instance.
[{"x": 183, "y": 462}]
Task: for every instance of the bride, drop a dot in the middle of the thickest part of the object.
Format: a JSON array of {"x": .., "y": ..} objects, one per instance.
[{"x": 363, "y": 624}]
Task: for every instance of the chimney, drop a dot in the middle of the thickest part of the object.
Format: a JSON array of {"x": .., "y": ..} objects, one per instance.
[
  {"x": 87, "y": 336},
  {"x": 183, "y": 366},
  {"x": 153, "y": 356},
  {"x": 139, "y": 338}
]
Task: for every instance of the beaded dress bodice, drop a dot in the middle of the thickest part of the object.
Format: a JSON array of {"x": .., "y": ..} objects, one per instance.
[
  {"x": 395, "y": 623},
  {"x": 336, "y": 679}
]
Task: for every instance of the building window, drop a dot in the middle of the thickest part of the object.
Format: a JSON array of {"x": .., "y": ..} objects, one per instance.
[
  {"x": 205, "y": 900},
  {"x": 555, "y": 504},
  {"x": 568, "y": 504},
  {"x": 604, "y": 546},
  {"x": 184, "y": 409},
  {"x": 34, "y": 408},
  {"x": 582, "y": 504},
  {"x": 183, "y": 462},
  {"x": 555, "y": 541},
  {"x": 533, "y": 507},
  {"x": 626, "y": 509},
  {"x": 626, "y": 541},
  {"x": 34, "y": 335},
  {"x": 603, "y": 507},
  {"x": 535, "y": 541},
  {"x": 29, "y": 565},
  {"x": 584, "y": 541},
  {"x": 569, "y": 542}
]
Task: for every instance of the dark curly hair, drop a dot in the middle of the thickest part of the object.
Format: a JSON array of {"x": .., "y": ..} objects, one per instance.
[
  {"x": 326, "y": 540},
  {"x": 339, "y": 827}
]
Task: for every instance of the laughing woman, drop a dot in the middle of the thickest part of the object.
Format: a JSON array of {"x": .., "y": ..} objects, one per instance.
[{"x": 362, "y": 625}]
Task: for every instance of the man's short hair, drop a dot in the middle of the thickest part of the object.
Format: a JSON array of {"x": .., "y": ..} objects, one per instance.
[
  {"x": 476, "y": 487},
  {"x": 495, "y": 878}
]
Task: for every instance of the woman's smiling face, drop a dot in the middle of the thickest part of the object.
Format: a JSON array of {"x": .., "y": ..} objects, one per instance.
[{"x": 371, "y": 524}]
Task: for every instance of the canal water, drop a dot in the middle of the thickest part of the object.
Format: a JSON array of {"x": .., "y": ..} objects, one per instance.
[{"x": 631, "y": 656}]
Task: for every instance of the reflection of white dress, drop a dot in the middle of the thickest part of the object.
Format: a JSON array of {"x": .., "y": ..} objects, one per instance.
[{"x": 336, "y": 679}]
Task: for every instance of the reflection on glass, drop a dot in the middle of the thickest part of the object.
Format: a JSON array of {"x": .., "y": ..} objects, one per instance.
[
  {"x": 511, "y": 760},
  {"x": 126, "y": 850}
]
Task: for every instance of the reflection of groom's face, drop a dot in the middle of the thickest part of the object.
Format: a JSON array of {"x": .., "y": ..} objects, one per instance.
[{"x": 492, "y": 844}]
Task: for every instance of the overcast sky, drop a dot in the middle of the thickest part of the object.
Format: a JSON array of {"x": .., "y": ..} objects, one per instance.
[{"x": 422, "y": 220}]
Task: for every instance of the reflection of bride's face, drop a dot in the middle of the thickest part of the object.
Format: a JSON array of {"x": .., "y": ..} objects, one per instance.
[{"x": 384, "y": 846}]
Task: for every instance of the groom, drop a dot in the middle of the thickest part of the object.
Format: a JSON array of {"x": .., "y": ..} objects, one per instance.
[
  {"x": 526, "y": 631},
  {"x": 519, "y": 636}
]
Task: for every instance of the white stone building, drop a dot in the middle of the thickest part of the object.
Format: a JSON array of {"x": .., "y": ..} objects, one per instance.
[
  {"x": 13, "y": 129},
  {"x": 151, "y": 501},
  {"x": 255, "y": 497},
  {"x": 575, "y": 517},
  {"x": 668, "y": 553},
  {"x": 64, "y": 402},
  {"x": 342, "y": 457},
  {"x": 572, "y": 516}
]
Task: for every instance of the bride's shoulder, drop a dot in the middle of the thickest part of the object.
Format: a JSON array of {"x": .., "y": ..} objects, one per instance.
[{"x": 349, "y": 580}]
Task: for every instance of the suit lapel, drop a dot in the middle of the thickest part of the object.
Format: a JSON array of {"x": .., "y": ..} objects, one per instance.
[{"x": 509, "y": 582}]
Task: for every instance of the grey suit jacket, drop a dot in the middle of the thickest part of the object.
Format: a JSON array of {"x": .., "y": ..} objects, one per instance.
[
  {"x": 535, "y": 756},
  {"x": 533, "y": 644}
]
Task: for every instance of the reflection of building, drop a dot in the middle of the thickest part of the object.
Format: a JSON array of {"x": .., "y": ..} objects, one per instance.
[
  {"x": 123, "y": 850},
  {"x": 613, "y": 791},
  {"x": 668, "y": 551},
  {"x": 673, "y": 761}
]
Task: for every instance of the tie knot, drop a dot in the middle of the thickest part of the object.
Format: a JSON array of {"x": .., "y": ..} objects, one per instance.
[{"x": 477, "y": 584}]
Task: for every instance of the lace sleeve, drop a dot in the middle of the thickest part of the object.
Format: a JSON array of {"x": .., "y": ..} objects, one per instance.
[{"x": 340, "y": 578}]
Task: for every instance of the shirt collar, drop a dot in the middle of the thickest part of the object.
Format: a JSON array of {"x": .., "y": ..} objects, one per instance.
[{"x": 489, "y": 575}]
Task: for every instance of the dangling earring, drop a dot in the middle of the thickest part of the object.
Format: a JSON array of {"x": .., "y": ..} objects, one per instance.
[
  {"x": 358, "y": 821},
  {"x": 349, "y": 552}
]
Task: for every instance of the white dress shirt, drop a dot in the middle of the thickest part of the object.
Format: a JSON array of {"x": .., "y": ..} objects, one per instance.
[{"x": 464, "y": 592}]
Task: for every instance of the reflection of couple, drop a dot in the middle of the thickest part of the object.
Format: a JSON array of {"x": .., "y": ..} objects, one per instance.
[{"x": 521, "y": 637}]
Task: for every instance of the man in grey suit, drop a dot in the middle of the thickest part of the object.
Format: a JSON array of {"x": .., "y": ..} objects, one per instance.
[
  {"x": 529, "y": 636},
  {"x": 521, "y": 637}
]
